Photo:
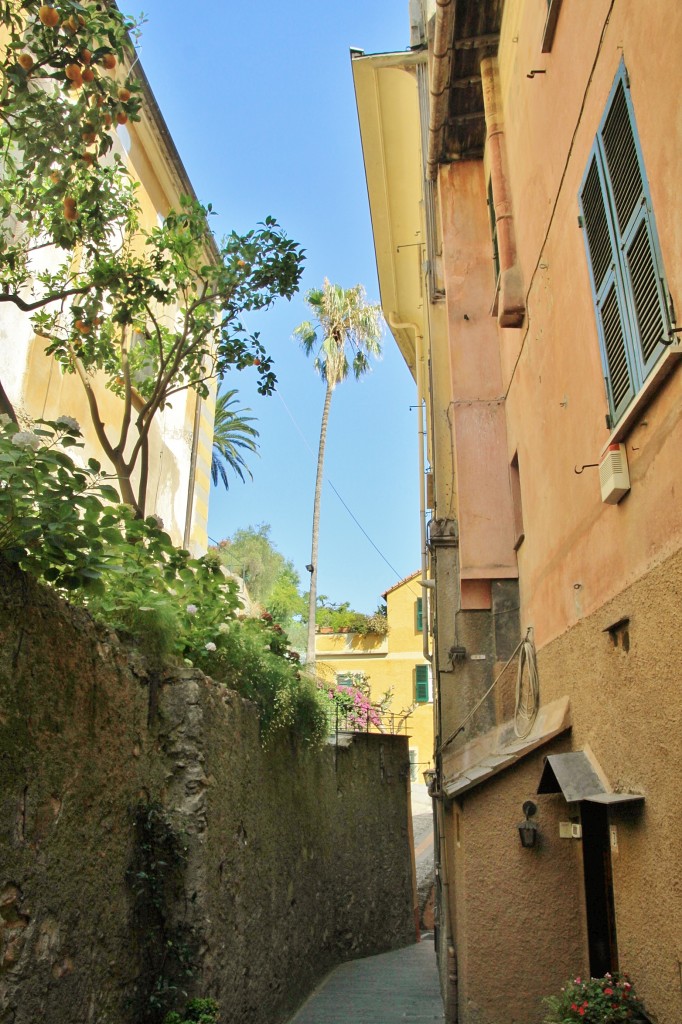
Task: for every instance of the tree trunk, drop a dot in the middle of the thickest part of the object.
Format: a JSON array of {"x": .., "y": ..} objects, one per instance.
[
  {"x": 312, "y": 602},
  {"x": 6, "y": 407}
]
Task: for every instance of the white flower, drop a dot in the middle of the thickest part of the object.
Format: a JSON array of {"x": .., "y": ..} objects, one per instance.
[
  {"x": 69, "y": 423},
  {"x": 25, "y": 439},
  {"x": 224, "y": 627},
  {"x": 158, "y": 520},
  {"x": 192, "y": 609},
  {"x": 210, "y": 646}
]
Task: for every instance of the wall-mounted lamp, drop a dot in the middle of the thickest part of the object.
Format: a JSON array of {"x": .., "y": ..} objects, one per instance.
[{"x": 528, "y": 830}]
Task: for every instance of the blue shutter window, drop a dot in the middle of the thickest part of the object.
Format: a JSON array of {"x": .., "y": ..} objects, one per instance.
[
  {"x": 420, "y": 614},
  {"x": 421, "y": 689},
  {"x": 623, "y": 254}
]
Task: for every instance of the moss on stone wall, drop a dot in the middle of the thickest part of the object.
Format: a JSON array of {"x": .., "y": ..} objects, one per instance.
[{"x": 290, "y": 862}]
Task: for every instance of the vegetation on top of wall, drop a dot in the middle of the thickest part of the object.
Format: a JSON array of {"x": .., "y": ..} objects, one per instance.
[
  {"x": 60, "y": 522},
  {"x": 342, "y": 619}
]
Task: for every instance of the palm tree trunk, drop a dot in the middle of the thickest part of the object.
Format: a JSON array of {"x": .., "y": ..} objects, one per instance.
[{"x": 312, "y": 602}]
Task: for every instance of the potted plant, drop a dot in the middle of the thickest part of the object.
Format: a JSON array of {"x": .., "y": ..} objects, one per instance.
[{"x": 607, "y": 1000}]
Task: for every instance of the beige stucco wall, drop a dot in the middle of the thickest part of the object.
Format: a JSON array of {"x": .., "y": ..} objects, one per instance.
[{"x": 519, "y": 915}]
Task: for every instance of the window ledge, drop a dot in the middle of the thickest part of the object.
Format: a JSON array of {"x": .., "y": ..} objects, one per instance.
[{"x": 663, "y": 368}]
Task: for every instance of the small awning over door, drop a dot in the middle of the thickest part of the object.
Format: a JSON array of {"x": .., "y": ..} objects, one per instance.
[{"x": 578, "y": 776}]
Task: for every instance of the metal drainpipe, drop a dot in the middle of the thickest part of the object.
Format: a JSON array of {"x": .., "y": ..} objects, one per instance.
[
  {"x": 440, "y": 75},
  {"x": 192, "y": 474},
  {"x": 421, "y": 431}
]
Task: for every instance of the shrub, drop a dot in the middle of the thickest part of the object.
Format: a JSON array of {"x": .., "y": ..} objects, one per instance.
[
  {"x": 607, "y": 1000},
  {"x": 63, "y": 524}
]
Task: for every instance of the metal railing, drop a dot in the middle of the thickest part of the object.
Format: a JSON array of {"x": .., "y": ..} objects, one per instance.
[{"x": 373, "y": 720}]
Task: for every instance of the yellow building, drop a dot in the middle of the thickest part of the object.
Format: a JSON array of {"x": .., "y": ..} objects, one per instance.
[
  {"x": 526, "y": 219},
  {"x": 180, "y": 444},
  {"x": 394, "y": 663}
]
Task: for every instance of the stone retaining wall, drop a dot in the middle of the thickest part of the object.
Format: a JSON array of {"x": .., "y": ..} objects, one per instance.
[{"x": 146, "y": 854}]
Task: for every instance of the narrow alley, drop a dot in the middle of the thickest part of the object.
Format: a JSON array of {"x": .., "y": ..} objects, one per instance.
[{"x": 385, "y": 989}]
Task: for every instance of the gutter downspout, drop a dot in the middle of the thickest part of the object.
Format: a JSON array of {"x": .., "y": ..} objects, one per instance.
[
  {"x": 421, "y": 432},
  {"x": 440, "y": 78},
  {"x": 512, "y": 303}
]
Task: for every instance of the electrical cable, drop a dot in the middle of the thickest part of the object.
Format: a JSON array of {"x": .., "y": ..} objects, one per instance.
[
  {"x": 527, "y": 695},
  {"x": 527, "y": 701},
  {"x": 350, "y": 513}
]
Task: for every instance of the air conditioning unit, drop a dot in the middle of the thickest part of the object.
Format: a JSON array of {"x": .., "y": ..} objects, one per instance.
[{"x": 614, "y": 476}]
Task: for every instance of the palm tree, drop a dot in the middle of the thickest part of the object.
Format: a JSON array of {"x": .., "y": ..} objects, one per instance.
[
  {"x": 347, "y": 330},
  {"x": 232, "y": 434}
]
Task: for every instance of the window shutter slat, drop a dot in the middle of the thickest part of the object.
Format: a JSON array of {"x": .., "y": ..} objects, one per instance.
[
  {"x": 614, "y": 343},
  {"x": 646, "y": 292},
  {"x": 421, "y": 689},
  {"x": 622, "y": 160},
  {"x": 596, "y": 225}
]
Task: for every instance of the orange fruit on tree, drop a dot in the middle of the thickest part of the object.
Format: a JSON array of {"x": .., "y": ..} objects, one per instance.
[
  {"x": 88, "y": 75},
  {"x": 109, "y": 61},
  {"x": 85, "y": 56},
  {"x": 70, "y": 211},
  {"x": 73, "y": 72},
  {"x": 121, "y": 117},
  {"x": 124, "y": 95},
  {"x": 54, "y": 177},
  {"x": 89, "y": 137},
  {"x": 26, "y": 61},
  {"x": 88, "y": 158},
  {"x": 48, "y": 16}
]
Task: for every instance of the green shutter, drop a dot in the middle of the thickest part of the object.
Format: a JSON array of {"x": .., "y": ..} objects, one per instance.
[
  {"x": 421, "y": 690},
  {"x": 420, "y": 614}
]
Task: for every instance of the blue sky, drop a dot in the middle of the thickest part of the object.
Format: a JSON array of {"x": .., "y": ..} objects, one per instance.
[{"x": 259, "y": 100}]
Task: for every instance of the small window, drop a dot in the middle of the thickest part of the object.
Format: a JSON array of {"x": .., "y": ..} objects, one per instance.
[
  {"x": 517, "y": 510},
  {"x": 493, "y": 234},
  {"x": 420, "y": 614},
  {"x": 626, "y": 272},
  {"x": 421, "y": 688},
  {"x": 414, "y": 763},
  {"x": 344, "y": 679},
  {"x": 553, "y": 8}
]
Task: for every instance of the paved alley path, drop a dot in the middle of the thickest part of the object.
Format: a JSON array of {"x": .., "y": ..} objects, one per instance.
[{"x": 387, "y": 989}]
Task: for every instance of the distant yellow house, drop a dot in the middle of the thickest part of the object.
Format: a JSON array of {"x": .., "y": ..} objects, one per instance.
[{"x": 394, "y": 662}]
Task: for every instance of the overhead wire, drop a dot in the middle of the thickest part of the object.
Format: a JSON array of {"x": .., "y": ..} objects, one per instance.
[{"x": 338, "y": 495}]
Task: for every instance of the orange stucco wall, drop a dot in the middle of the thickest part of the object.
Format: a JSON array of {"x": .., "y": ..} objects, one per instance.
[
  {"x": 484, "y": 510},
  {"x": 579, "y": 552}
]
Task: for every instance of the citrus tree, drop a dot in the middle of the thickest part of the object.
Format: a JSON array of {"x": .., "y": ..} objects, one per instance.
[{"x": 149, "y": 313}]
